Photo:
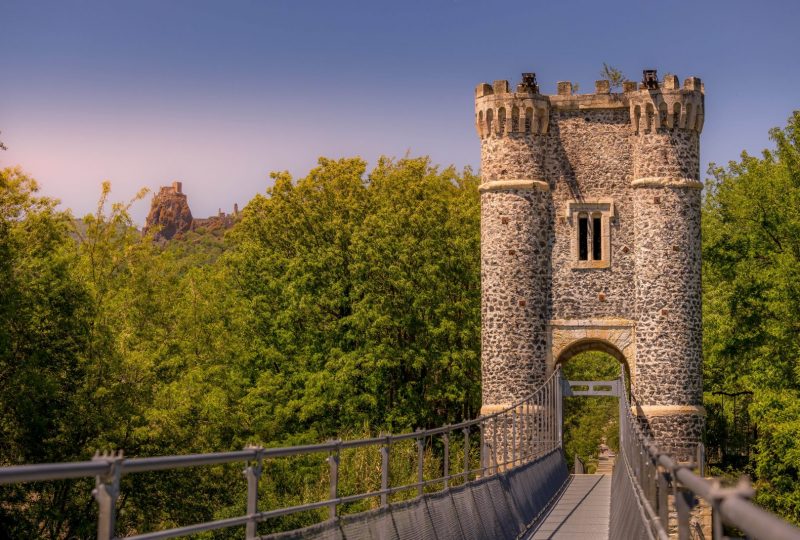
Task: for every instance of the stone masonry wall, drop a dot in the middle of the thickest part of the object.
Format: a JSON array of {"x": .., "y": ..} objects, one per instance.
[
  {"x": 677, "y": 434},
  {"x": 668, "y": 153},
  {"x": 589, "y": 158},
  {"x": 668, "y": 293},
  {"x": 515, "y": 256},
  {"x": 513, "y": 156}
]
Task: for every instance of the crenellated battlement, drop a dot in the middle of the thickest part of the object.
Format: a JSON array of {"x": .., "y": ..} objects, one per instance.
[
  {"x": 500, "y": 111},
  {"x": 668, "y": 105}
]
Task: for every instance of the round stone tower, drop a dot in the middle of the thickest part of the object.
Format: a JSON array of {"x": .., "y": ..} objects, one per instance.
[
  {"x": 516, "y": 229},
  {"x": 666, "y": 121}
]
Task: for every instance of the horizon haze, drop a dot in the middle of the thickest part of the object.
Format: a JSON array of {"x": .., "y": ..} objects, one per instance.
[{"x": 219, "y": 95}]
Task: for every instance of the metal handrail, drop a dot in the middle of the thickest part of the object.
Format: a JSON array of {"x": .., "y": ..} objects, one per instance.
[
  {"x": 657, "y": 473},
  {"x": 522, "y": 432}
]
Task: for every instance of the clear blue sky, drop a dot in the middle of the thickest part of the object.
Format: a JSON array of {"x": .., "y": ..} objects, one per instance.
[{"x": 218, "y": 94}]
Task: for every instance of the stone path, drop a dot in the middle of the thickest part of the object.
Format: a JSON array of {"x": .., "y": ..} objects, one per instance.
[
  {"x": 582, "y": 511},
  {"x": 605, "y": 463}
]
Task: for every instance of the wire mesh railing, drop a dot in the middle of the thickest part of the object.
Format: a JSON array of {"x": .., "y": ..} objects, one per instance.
[
  {"x": 514, "y": 436},
  {"x": 653, "y": 495}
]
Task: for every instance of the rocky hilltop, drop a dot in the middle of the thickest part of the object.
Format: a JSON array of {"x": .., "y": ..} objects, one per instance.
[{"x": 170, "y": 214}]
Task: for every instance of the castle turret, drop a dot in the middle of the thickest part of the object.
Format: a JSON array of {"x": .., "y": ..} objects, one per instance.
[
  {"x": 666, "y": 121},
  {"x": 516, "y": 214}
]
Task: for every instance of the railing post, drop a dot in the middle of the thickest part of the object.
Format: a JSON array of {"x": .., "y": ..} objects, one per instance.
[
  {"x": 718, "y": 494},
  {"x": 682, "y": 506},
  {"x": 701, "y": 460},
  {"x": 420, "y": 464},
  {"x": 494, "y": 444},
  {"x": 514, "y": 437},
  {"x": 385, "y": 472},
  {"x": 333, "y": 461},
  {"x": 552, "y": 388},
  {"x": 446, "y": 442},
  {"x": 717, "y": 531},
  {"x": 483, "y": 454},
  {"x": 523, "y": 430},
  {"x": 253, "y": 474},
  {"x": 466, "y": 451},
  {"x": 523, "y": 441},
  {"x": 560, "y": 409},
  {"x": 106, "y": 493},
  {"x": 505, "y": 440},
  {"x": 540, "y": 426},
  {"x": 546, "y": 417},
  {"x": 555, "y": 412},
  {"x": 663, "y": 510}
]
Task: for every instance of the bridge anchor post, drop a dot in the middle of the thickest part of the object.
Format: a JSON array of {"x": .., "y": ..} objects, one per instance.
[
  {"x": 253, "y": 474},
  {"x": 466, "y": 452},
  {"x": 106, "y": 493},
  {"x": 420, "y": 466},
  {"x": 385, "y": 472},
  {"x": 333, "y": 462}
]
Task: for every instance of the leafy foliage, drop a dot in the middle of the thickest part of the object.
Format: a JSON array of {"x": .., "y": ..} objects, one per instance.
[
  {"x": 364, "y": 297},
  {"x": 751, "y": 296},
  {"x": 613, "y": 75},
  {"x": 341, "y": 301}
]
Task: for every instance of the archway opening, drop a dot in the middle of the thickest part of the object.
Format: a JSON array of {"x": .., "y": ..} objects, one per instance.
[{"x": 591, "y": 424}]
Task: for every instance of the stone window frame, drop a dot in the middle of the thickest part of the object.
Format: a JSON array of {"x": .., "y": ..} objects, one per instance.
[{"x": 605, "y": 209}]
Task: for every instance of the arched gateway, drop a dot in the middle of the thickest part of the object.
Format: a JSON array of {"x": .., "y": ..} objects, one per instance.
[{"x": 590, "y": 238}]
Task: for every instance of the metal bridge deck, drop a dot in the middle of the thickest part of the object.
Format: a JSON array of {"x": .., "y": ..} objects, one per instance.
[{"x": 581, "y": 511}]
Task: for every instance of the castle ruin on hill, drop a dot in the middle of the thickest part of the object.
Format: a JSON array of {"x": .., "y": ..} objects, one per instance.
[
  {"x": 590, "y": 240},
  {"x": 170, "y": 214}
]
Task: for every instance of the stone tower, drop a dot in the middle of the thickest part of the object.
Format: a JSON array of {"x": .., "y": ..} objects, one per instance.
[{"x": 590, "y": 240}]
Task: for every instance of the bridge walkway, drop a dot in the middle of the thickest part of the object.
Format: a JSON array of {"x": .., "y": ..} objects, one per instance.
[{"x": 581, "y": 511}]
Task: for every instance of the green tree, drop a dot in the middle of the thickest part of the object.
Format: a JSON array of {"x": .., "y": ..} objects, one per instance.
[
  {"x": 364, "y": 293},
  {"x": 44, "y": 331},
  {"x": 417, "y": 271},
  {"x": 751, "y": 297}
]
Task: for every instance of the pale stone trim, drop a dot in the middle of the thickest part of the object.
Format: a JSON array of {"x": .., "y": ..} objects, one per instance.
[
  {"x": 577, "y": 323},
  {"x": 491, "y": 409},
  {"x": 503, "y": 185},
  {"x": 523, "y": 408},
  {"x": 669, "y": 410},
  {"x": 574, "y": 102},
  {"x": 655, "y": 181}
]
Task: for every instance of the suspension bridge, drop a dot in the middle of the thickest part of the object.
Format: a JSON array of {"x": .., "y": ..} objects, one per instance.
[{"x": 517, "y": 486}]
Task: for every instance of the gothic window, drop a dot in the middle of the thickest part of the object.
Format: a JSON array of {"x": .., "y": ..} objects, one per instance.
[{"x": 590, "y": 222}]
